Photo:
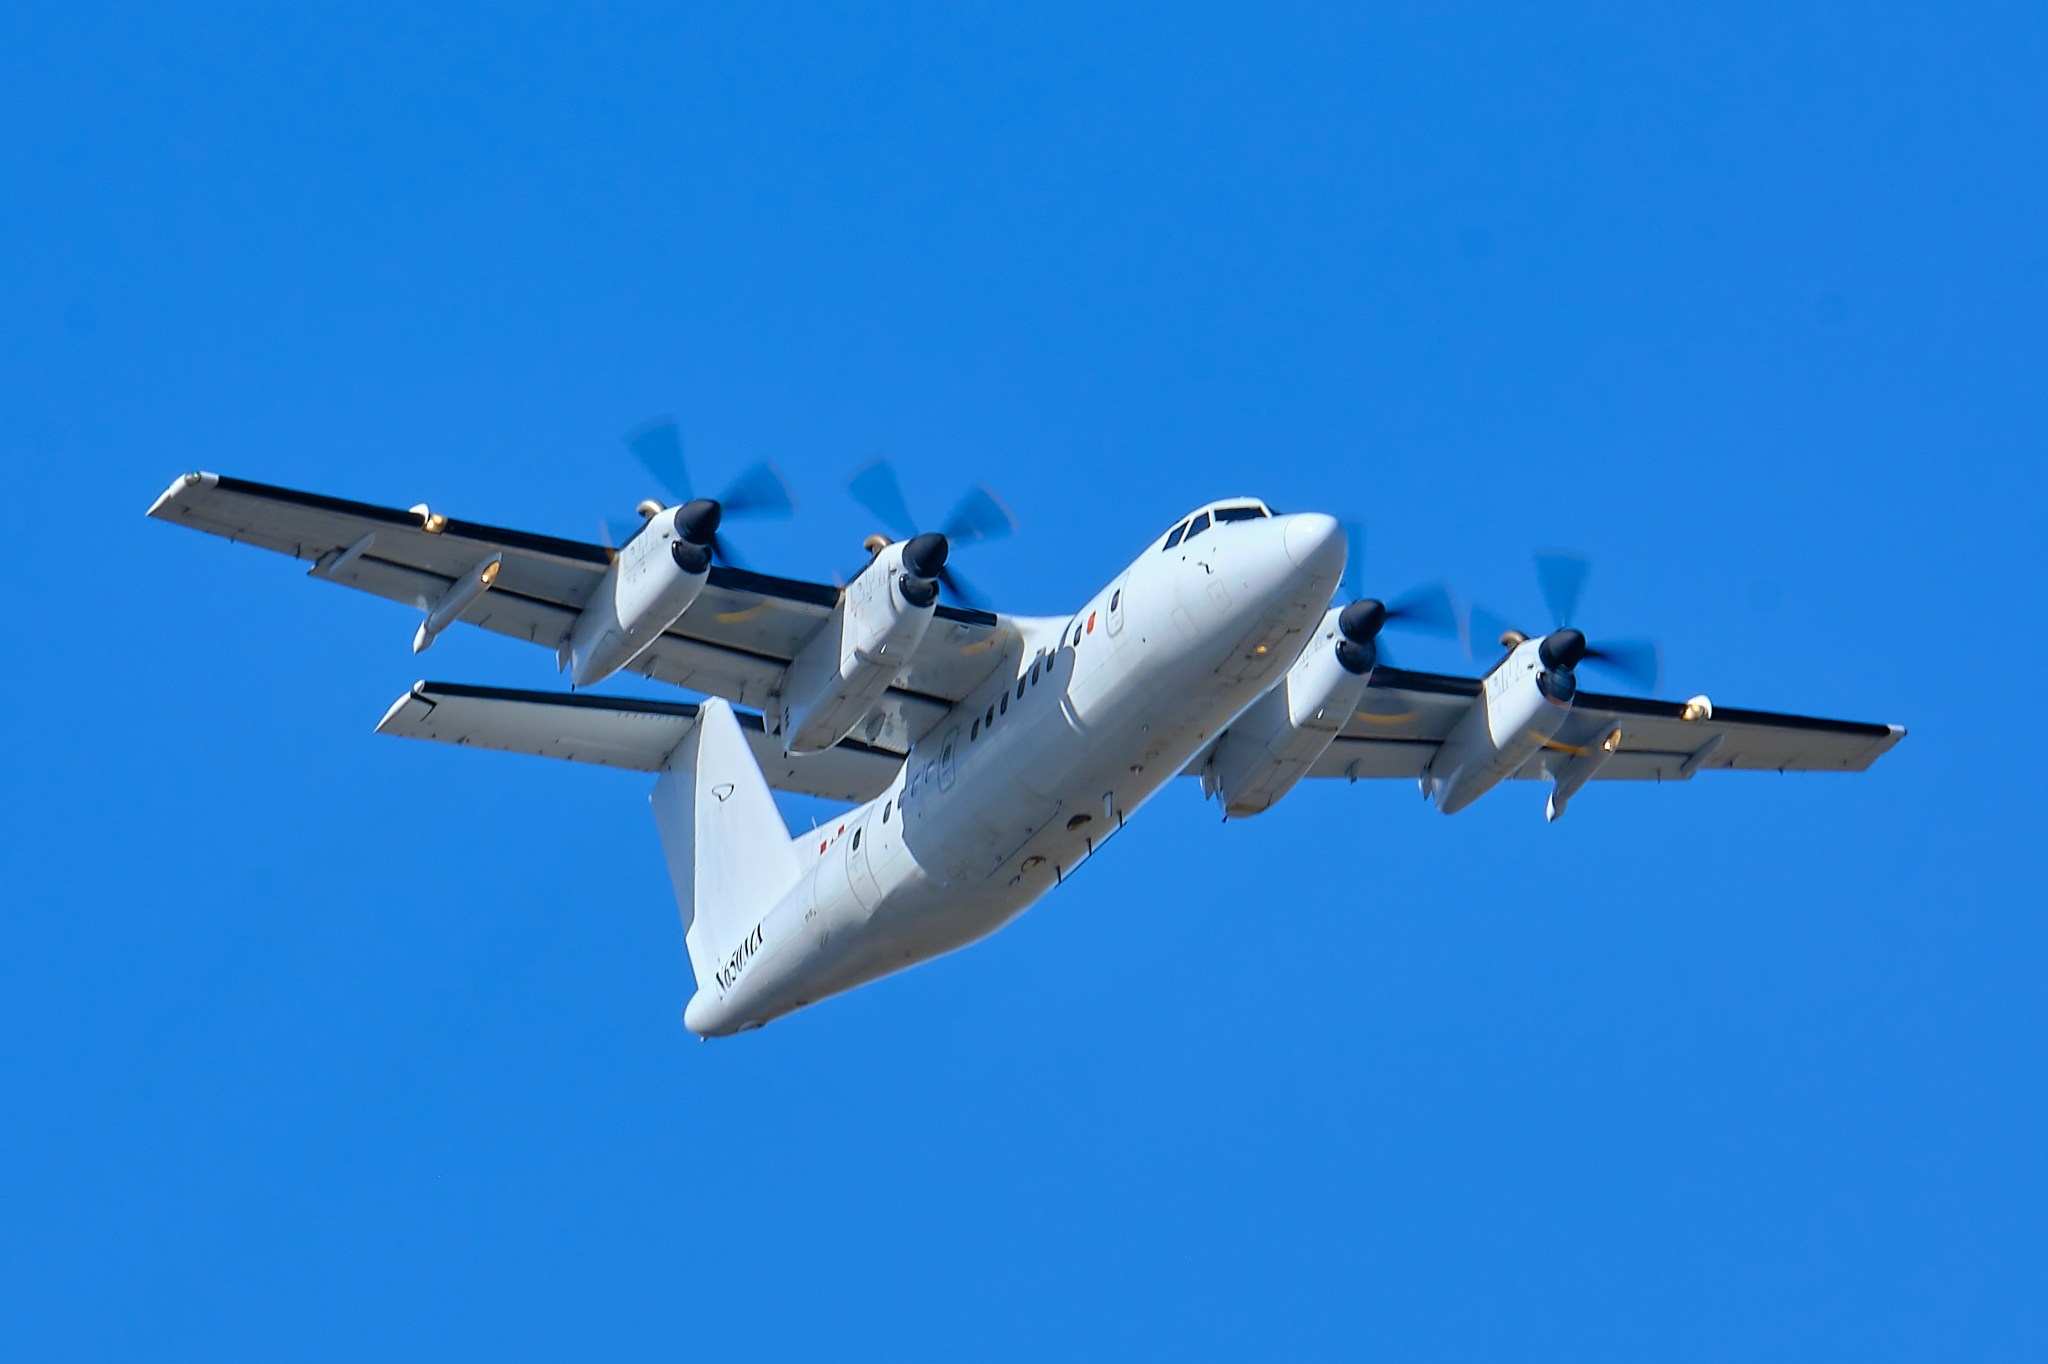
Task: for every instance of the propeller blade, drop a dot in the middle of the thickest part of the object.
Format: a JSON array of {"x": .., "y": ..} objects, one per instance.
[
  {"x": 760, "y": 491},
  {"x": 957, "y": 587},
  {"x": 658, "y": 444},
  {"x": 620, "y": 529},
  {"x": 1562, "y": 575},
  {"x": 1639, "y": 661},
  {"x": 876, "y": 488},
  {"x": 721, "y": 550},
  {"x": 1483, "y": 630},
  {"x": 977, "y": 517},
  {"x": 1427, "y": 608},
  {"x": 1353, "y": 586}
]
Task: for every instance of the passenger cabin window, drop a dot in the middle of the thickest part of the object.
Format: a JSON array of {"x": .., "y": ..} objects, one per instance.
[
  {"x": 1198, "y": 525},
  {"x": 974, "y": 731},
  {"x": 1006, "y": 703},
  {"x": 1239, "y": 513},
  {"x": 1174, "y": 538},
  {"x": 1020, "y": 689},
  {"x": 886, "y": 805}
]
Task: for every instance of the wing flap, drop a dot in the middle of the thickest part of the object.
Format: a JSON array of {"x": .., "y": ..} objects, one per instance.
[
  {"x": 616, "y": 732},
  {"x": 1373, "y": 759}
]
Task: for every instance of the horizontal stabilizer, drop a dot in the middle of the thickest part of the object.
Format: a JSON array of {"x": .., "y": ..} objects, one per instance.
[{"x": 616, "y": 732}]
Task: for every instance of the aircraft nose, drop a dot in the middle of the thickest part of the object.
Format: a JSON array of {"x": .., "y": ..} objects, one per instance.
[{"x": 1315, "y": 543}]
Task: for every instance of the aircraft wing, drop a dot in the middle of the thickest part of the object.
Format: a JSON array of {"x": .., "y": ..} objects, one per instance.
[
  {"x": 733, "y": 642},
  {"x": 616, "y": 732},
  {"x": 1404, "y": 716}
]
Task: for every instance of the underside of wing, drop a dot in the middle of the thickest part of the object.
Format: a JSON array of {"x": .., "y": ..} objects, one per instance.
[
  {"x": 1404, "y": 716},
  {"x": 1672, "y": 740},
  {"x": 1396, "y": 726},
  {"x": 617, "y": 732}
]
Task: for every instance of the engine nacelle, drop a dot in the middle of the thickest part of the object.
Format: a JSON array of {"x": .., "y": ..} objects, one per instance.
[
  {"x": 651, "y": 582},
  {"x": 1520, "y": 706},
  {"x": 1277, "y": 740},
  {"x": 835, "y": 679}
]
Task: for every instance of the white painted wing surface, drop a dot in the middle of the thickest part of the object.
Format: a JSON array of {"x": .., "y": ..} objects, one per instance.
[
  {"x": 734, "y": 642},
  {"x": 617, "y": 732},
  {"x": 1403, "y": 716}
]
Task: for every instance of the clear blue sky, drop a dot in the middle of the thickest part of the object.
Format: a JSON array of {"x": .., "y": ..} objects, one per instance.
[{"x": 320, "y": 1045}]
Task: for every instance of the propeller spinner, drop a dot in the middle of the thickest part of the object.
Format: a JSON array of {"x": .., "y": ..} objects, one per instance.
[
  {"x": 1428, "y": 609},
  {"x": 1561, "y": 575},
  {"x": 758, "y": 491},
  {"x": 979, "y": 516}
]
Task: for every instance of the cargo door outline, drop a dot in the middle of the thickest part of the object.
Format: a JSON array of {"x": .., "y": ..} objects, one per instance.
[{"x": 860, "y": 867}]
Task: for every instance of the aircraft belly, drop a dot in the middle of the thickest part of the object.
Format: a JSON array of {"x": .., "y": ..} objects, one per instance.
[
  {"x": 914, "y": 922},
  {"x": 1015, "y": 805}
]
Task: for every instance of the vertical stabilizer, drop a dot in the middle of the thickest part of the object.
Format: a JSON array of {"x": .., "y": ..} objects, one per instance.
[{"x": 729, "y": 853}]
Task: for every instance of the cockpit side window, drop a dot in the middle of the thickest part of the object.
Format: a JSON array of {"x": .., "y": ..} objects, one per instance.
[
  {"x": 1198, "y": 525},
  {"x": 1174, "y": 538}
]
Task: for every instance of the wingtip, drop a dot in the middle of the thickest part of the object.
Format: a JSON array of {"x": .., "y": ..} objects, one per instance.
[
  {"x": 416, "y": 692},
  {"x": 179, "y": 485}
]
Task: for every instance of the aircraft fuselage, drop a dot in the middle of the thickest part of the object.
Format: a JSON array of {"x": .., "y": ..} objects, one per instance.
[{"x": 1027, "y": 778}]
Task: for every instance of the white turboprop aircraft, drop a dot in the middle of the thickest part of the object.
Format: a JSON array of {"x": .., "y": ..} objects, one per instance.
[{"x": 985, "y": 756}]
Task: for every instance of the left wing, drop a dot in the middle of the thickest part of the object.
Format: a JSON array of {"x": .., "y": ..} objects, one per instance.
[
  {"x": 1403, "y": 716},
  {"x": 733, "y": 642}
]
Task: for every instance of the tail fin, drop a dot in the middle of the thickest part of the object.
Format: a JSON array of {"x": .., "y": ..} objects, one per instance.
[{"x": 729, "y": 853}]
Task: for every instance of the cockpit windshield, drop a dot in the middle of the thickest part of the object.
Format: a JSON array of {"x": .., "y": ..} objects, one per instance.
[{"x": 1216, "y": 514}]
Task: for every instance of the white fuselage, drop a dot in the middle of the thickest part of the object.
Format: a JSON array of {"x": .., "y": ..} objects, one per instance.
[{"x": 1027, "y": 778}]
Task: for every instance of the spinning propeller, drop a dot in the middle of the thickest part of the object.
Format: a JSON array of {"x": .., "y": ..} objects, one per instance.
[
  {"x": 759, "y": 490},
  {"x": 978, "y": 516},
  {"x": 1426, "y": 608},
  {"x": 1562, "y": 576}
]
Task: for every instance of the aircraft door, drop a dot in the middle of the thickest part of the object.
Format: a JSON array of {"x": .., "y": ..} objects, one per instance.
[
  {"x": 860, "y": 866},
  {"x": 1116, "y": 605}
]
